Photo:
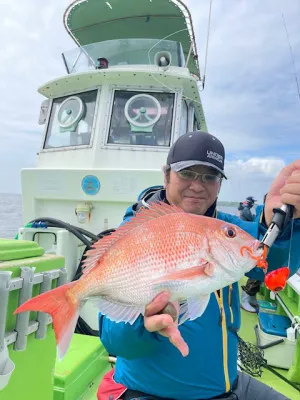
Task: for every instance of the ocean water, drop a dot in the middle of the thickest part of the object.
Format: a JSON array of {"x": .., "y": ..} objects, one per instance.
[{"x": 11, "y": 214}]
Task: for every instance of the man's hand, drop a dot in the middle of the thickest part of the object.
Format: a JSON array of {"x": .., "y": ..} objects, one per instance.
[
  {"x": 285, "y": 189},
  {"x": 164, "y": 324}
]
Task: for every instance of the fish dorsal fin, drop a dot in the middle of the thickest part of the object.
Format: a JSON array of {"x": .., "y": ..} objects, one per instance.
[{"x": 144, "y": 215}]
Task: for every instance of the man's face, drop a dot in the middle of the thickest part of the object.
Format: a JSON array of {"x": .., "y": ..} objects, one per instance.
[{"x": 192, "y": 195}]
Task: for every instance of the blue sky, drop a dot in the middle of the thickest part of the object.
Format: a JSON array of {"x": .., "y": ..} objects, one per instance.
[{"x": 250, "y": 98}]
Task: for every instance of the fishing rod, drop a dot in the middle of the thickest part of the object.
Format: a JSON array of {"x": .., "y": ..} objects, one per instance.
[{"x": 280, "y": 219}]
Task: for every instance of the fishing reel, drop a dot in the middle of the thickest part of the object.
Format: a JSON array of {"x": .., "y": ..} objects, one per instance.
[{"x": 279, "y": 221}]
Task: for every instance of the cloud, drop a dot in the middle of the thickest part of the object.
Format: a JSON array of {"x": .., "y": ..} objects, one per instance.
[
  {"x": 268, "y": 167},
  {"x": 251, "y": 177}
]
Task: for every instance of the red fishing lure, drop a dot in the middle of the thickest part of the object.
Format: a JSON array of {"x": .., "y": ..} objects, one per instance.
[{"x": 276, "y": 280}]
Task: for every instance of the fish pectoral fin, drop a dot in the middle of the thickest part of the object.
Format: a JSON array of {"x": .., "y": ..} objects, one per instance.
[
  {"x": 193, "y": 308},
  {"x": 205, "y": 269},
  {"x": 118, "y": 312}
]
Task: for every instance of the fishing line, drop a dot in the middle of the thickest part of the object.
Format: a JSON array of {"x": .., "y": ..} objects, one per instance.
[
  {"x": 292, "y": 54},
  {"x": 290, "y": 250},
  {"x": 205, "y": 63},
  {"x": 149, "y": 59}
]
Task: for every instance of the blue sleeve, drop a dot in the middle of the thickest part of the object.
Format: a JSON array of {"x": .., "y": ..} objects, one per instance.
[
  {"x": 125, "y": 340},
  {"x": 285, "y": 245}
]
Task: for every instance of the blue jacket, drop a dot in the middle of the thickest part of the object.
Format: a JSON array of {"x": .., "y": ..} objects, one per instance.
[{"x": 147, "y": 362}]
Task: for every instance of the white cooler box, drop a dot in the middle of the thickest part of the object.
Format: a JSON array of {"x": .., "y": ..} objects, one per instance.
[{"x": 271, "y": 337}]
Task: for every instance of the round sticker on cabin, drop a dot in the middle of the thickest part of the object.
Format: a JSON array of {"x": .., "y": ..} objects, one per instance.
[{"x": 90, "y": 184}]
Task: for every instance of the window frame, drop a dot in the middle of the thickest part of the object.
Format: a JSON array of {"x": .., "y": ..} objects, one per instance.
[
  {"x": 175, "y": 128},
  {"x": 50, "y": 108}
]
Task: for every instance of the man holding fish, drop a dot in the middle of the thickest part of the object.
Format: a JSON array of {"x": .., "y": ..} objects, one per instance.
[
  {"x": 146, "y": 363},
  {"x": 165, "y": 282}
]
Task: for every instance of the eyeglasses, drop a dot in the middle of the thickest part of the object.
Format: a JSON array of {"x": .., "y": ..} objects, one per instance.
[{"x": 189, "y": 175}]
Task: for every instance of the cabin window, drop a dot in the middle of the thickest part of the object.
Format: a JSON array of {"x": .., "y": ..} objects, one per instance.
[
  {"x": 141, "y": 118},
  {"x": 71, "y": 120}
]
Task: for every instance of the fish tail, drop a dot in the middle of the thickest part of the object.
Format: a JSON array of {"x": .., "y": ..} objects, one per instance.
[{"x": 64, "y": 310}]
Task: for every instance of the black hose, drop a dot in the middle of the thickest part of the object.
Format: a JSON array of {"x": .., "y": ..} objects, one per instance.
[
  {"x": 100, "y": 235},
  {"x": 90, "y": 235},
  {"x": 82, "y": 327},
  {"x": 294, "y": 385},
  {"x": 68, "y": 227}
]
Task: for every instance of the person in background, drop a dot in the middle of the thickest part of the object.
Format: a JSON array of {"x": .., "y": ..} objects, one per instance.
[
  {"x": 249, "y": 291},
  {"x": 148, "y": 366},
  {"x": 245, "y": 209}
]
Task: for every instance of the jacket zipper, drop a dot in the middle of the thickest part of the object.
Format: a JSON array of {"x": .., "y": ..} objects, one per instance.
[{"x": 222, "y": 322}]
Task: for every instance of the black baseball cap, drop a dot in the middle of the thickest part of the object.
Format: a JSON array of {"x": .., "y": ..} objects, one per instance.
[{"x": 197, "y": 148}]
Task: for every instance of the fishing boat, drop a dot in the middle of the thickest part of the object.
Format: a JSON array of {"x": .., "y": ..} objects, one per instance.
[{"x": 132, "y": 87}]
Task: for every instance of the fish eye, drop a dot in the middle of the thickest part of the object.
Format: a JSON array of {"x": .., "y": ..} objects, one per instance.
[{"x": 230, "y": 232}]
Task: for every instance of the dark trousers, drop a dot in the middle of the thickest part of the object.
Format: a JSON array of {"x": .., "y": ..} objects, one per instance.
[
  {"x": 248, "y": 388},
  {"x": 252, "y": 287}
]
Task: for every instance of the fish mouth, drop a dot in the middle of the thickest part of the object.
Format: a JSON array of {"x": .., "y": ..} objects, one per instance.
[{"x": 258, "y": 252}]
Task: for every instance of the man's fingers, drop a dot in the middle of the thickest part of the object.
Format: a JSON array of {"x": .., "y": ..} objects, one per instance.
[
  {"x": 176, "y": 339},
  {"x": 296, "y": 172},
  {"x": 157, "y": 305},
  {"x": 293, "y": 200},
  {"x": 161, "y": 316},
  {"x": 157, "y": 322},
  {"x": 289, "y": 169},
  {"x": 291, "y": 188}
]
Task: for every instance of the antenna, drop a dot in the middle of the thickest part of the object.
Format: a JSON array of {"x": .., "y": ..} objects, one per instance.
[{"x": 207, "y": 41}]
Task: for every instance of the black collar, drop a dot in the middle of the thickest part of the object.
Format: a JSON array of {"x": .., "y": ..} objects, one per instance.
[{"x": 156, "y": 195}]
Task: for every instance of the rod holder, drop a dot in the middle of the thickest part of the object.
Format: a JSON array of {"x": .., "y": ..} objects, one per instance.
[
  {"x": 22, "y": 324},
  {"x": 42, "y": 318},
  {"x": 6, "y": 367},
  {"x": 5, "y": 277}
]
